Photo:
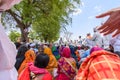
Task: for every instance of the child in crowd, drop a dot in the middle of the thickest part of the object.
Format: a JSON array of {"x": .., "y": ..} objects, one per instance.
[{"x": 37, "y": 70}]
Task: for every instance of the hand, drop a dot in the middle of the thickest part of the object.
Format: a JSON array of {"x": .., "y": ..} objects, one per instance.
[{"x": 113, "y": 22}]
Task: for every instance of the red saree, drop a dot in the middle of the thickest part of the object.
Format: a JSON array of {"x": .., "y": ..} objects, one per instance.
[
  {"x": 100, "y": 65},
  {"x": 42, "y": 74}
]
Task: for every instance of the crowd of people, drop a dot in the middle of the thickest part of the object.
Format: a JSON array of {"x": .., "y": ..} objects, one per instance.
[
  {"x": 60, "y": 61},
  {"x": 90, "y": 60},
  {"x": 93, "y": 58}
]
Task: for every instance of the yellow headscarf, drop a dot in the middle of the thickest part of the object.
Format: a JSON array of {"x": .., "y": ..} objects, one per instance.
[{"x": 52, "y": 62}]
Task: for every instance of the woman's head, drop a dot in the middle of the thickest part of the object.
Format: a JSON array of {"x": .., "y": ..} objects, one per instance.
[
  {"x": 66, "y": 52},
  {"x": 95, "y": 49},
  {"x": 41, "y": 60}
]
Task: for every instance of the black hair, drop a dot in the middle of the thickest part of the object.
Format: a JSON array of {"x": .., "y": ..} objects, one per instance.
[
  {"x": 41, "y": 60},
  {"x": 75, "y": 49},
  {"x": 20, "y": 56},
  {"x": 79, "y": 36},
  {"x": 21, "y": 51},
  {"x": 17, "y": 44},
  {"x": 82, "y": 47},
  {"x": 87, "y": 47},
  {"x": 111, "y": 49}
]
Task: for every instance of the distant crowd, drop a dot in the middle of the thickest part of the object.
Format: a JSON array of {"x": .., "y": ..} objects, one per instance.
[{"x": 70, "y": 61}]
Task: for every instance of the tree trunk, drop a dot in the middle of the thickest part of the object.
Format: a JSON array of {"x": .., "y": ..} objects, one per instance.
[
  {"x": 24, "y": 35},
  {"x": 22, "y": 26},
  {"x": 45, "y": 39}
]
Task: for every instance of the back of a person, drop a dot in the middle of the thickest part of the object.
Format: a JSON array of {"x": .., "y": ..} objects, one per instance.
[
  {"x": 66, "y": 71},
  {"x": 66, "y": 66},
  {"x": 97, "y": 39},
  {"x": 72, "y": 61},
  {"x": 106, "y": 41},
  {"x": 100, "y": 65},
  {"x": 20, "y": 56},
  {"x": 55, "y": 52},
  {"x": 29, "y": 57},
  {"x": 89, "y": 42},
  {"x": 36, "y": 70},
  {"x": 104, "y": 67},
  {"x": 52, "y": 62}
]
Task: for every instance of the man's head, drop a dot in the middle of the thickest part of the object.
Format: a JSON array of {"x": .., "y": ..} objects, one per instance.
[
  {"x": 88, "y": 34},
  {"x": 79, "y": 37}
]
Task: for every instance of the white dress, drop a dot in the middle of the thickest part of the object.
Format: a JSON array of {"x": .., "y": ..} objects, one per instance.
[
  {"x": 7, "y": 49},
  {"x": 7, "y": 57}
]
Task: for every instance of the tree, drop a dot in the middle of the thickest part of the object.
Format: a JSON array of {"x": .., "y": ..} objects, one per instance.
[
  {"x": 20, "y": 16},
  {"x": 43, "y": 15},
  {"x": 67, "y": 35},
  {"x": 54, "y": 16},
  {"x": 14, "y": 35},
  {"x": 33, "y": 35}
]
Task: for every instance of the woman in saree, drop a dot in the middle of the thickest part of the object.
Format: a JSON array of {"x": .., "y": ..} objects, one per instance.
[
  {"x": 66, "y": 66},
  {"x": 55, "y": 51},
  {"x": 20, "y": 56},
  {"x": 52, "y": 62},
  {"x": 100, "y": 65},
  {"x": 36, "y": 70},
  {"x": 29, "y": 57}
]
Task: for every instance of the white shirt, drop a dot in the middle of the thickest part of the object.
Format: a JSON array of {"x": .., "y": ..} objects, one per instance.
[
  {"x": 97, "y": 39},
  {"x": 116, "y": 44}
]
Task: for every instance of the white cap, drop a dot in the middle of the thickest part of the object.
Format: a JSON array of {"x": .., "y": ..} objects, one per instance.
[{"x": 32, "y": 45}]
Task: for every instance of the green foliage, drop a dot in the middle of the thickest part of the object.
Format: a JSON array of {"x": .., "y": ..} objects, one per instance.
[
  {"x": 14, "y": 35},
  {"x": 33, "y": 35},
  {"x": 47, "y": 17},
  {"x": 53, "y": 16}
]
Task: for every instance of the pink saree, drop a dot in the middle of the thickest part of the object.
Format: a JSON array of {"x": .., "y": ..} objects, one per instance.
[{"x": 66, "y": 66}]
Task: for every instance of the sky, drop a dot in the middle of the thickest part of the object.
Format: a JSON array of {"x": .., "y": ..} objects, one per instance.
[{"x": 83, "y": 19}]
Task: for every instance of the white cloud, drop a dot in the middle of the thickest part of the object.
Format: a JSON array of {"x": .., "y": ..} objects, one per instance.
[{"x": 77, "y": 11}]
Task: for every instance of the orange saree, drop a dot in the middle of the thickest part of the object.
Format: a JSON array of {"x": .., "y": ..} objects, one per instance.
[{"x": 29, "y": 57}]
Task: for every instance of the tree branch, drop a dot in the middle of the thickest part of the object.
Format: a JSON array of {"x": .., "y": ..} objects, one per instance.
[
  {"x": 15, "y": 18},
  {"x": 19, "y": 12}
]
